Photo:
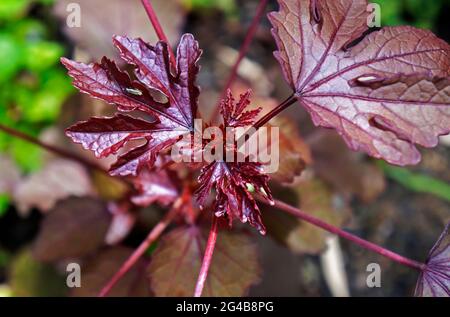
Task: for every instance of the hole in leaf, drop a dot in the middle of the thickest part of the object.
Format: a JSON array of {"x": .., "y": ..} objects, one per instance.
[
  {"x": 388, "y": 126},
  {"x": 315, "y": 12},
  {"x": 353, "y": 42},
  {"x": 159, "y": 96},
  {"x": 366, "y": 80}
]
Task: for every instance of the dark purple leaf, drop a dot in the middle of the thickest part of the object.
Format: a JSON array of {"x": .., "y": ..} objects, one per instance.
[
  {"x": 74, "y": 228},
  {"x": 175, "y": 264},
  {"x": 174, "y": 116},
  {"x": 382, "y": 93},
  {"x": 234, "y": 114},
  {"x": 105, "y": 136},
  {"x": 434, "y": 281},
  {"x": 153, "y": 70},
  {"x": 232, "y": 180}
]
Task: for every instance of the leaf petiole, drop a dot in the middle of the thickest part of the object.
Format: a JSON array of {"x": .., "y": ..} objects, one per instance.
[
  {"x": 348, "y": 236},
  {"x": 207, "y": 258},
  {"x": 275, "y": 111},
  {"x": 158, "y": 28}
]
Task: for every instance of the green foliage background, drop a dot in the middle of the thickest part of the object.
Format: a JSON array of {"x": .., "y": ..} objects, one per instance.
[
  {"x": 419, "y": 13},
  {"x": 33, "y": 85}
]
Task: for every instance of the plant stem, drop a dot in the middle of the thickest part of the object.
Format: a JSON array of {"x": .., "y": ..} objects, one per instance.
[
  {"x": 275, "y": 111},
  {"x": 51, "y": 148},
  {"x": 158, "y": 28},
  {"x": 207, "y": 258},
  {"x": 269, "y": 116},
  {"x": 137, "y": 254},
  {"x": 243, "y": 50},
  {"x": 346, "y": 235}
]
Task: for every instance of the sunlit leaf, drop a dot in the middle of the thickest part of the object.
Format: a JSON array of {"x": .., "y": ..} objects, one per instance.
[
  {"x": 383, "y": 92},
  {"x": 175, "y": 115}
]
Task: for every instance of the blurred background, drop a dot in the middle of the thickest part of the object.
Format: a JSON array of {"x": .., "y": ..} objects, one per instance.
[{"x": 403, "y": 209}]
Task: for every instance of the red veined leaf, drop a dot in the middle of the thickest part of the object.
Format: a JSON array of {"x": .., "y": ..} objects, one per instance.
[
  {"x": 153, "y": 69},
  {"x": 234, "y": 114},
  {"x": 382, "y": 91},
  {"x": 174, "y": 117},
  {"x": 233, "y": 181},
  {"x": 434, "y": 281},
  {"x": 105, "y": 136},
  {"x": 175, "y": 264}
]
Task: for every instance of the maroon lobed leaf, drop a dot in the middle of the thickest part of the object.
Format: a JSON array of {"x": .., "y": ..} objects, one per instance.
[
  {"x": 233, "y": 180},
  {"x": 97, "y": 271},
  {"x": 105, "y": 136},
  {"x": 434, "y": 281},
  {"x": 383, "y": 92},
  {"x": 76, "y": 227},
  {"x": 174, "y": 116},
  {"x": 175, "y": 264},
  {"x": 233, "y": 112}
]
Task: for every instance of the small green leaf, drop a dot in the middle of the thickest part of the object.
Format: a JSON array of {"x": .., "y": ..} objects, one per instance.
[
  {"x": 28, "y": 156},
  {"x": 228, "y": 6},
  {"x": 42, "y": 55},
  {"x": 5, "y": 257},
  {"x": 417, "y": 182},
  {"x": 28, "y": 30},
  {"x": 10, "y": 57},
  {"x": 29, "y": 277},
  {"x": 4, "y": 204},
  {"x": 13, "y": 9}
]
